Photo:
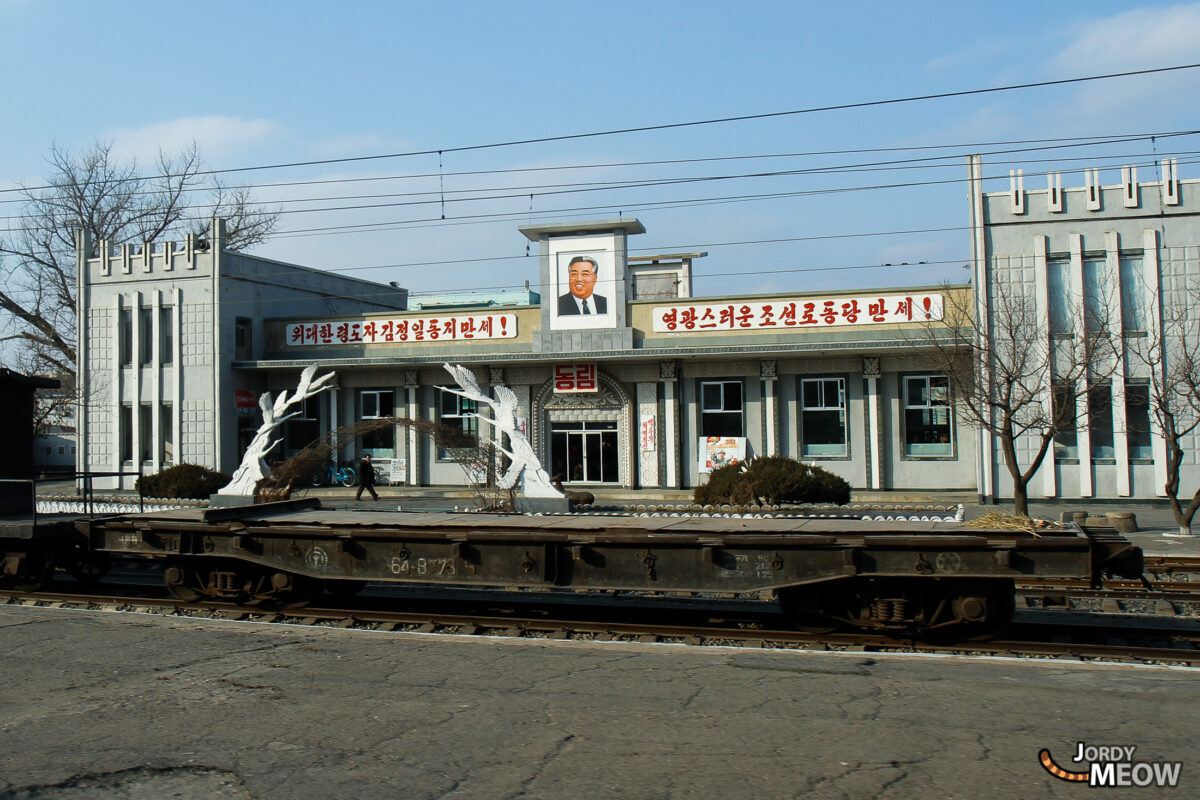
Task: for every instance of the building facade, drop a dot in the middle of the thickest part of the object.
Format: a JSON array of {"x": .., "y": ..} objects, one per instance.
[
  {"x": 623, "y": 378},
  {"x": 1125, "y": 257},
  {"x": 160, "y": 328}
]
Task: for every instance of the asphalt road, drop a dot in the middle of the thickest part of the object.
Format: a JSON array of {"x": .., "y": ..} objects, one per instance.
[{"x": 108, "y": 705}]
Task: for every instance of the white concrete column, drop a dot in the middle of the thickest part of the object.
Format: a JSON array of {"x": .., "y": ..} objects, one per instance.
[
  {"x": 411, "y": 390},
  {"x": 770, "y": 407},
  {"x": 647, "y": 405},
  {"x": 874, "y": 417},
  {"x": 671, "y": 411},
  {"x": 1112, "y": 281}
]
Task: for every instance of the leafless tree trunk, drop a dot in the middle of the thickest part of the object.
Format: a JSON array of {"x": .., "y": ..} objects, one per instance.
[
  {"x": 1004, "y": 372},
  {"x": 95, "y": 192}
]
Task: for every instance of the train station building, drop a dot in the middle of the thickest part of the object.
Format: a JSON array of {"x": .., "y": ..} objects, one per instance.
[{"x": 624, "y": 378}]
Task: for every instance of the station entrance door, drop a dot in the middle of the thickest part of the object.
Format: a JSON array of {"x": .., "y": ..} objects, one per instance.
[{"x": 585, "y": 452}]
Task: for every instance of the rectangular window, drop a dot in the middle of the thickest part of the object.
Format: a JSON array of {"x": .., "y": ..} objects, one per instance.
[
  {"x": 823, "y": 416},
  {"x": 146, "y": 431},
  {"x": 125, "y": 332},
  {"x": 304, "y": 428},
  {"x": 459, "y": 423},
  {"x": 1134, "y": 309},
  {"x": 1058, "y": 290},
  {"x": 1098, "y": 299},
  {"x": 721, "y": 408},
  {"x": 166, "y": 435},
  {"x": 126, "y": 433},
  {"x": 243, "y": 343},
  {"x": 381, "y": 442},
  {"x": 166, "y": 336},
  {"x": 1137, "y": 420},
  {"x": 1066, "y": 440},
  {"x": 145, "y": 335},
  {"x": 927, "y": 428},
  {"x": 1100, "y": 422}
]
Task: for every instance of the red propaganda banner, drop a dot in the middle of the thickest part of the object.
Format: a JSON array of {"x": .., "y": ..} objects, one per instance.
[
  {"x": 449, "y": 328},
  {"x": 569, "y": 378},
  {"x": 807, "y": 313}
]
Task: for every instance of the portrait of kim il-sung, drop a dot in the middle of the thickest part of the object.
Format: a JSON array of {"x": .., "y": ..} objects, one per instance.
[{"x": 583, "y": 291}]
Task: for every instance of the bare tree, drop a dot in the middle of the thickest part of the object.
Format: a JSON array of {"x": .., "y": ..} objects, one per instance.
[
  {"x": 109, "y": 198},
  {"x": 1169, "y": 357},
  {"x": 1011, "y": 377}
]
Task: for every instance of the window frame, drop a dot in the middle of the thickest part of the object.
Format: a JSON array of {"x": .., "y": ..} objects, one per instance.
[
  {"x": 928, "y": 450},
  {"x": 367, "y": 439},
  {"x": 465, "y": 411},
  {"x": 706, "y": 414},
  {"x": 841, "y": 408}
]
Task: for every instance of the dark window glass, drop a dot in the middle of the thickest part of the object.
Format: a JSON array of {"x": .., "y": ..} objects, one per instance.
[
  {"x": 146, "y": 431},
  {"x": 127, "y": 433},
  {"x": 243, "y": 338},
  {"x": 145, "y": 335},
  {"x": 1137, "y": 420},
  {"x": 721, "y": 408},
  {"x": 380, "y": 443},
  {"x": 166, "y": 432},
  {"x": 166, "y": 336},
  {"x": 927, "y": 428},
  {"x": 1066, "y": 440},
  {"x": 1100, "y": 422},
  {"x": 459, "y": 424},
  {"x": 823, "y": 416},
  {"x": 125, "y": 331}
]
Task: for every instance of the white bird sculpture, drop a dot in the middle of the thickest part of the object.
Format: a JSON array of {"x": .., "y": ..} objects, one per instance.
[
  {"x": 254, "y": 465},
  {"x": 524, "y": 465}
]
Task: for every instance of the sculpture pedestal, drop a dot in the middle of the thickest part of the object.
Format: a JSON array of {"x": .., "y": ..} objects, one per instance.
[
  {"x": 230, "y": 500},
  {"x": 542, "y": 505}
]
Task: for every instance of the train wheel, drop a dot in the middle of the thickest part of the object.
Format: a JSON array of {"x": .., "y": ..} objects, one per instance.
[
  {"x": 811, "y": 608},
  {"x": 182, "y": 582},
  {"x": 985, "y": 610},
  {"x": 34, "y": 570},
  {"x": 285, "y": 590}
]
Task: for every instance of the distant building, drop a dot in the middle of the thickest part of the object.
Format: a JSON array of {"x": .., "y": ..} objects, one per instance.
[{"x": 160, "y": 329}]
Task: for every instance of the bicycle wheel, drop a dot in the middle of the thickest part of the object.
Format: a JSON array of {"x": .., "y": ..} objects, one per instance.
[{"x": 347, "y": 476}]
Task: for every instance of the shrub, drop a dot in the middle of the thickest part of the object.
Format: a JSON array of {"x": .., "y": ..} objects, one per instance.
[
  {"x": 190, "y": 481},
  {"x": 772, "y": 479}
]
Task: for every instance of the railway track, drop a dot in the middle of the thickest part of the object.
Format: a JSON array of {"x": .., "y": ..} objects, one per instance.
[{"x": 745, "y": 624}]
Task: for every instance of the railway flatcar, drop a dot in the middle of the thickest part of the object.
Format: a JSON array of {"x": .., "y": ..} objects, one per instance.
[{"x": 825, "y": 573}]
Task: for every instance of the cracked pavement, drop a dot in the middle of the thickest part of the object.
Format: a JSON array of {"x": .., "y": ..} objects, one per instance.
[{"x": 129, "y": 706}]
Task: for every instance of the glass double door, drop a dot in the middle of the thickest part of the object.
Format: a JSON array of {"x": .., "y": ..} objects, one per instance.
[{"x": 585, "y": 452}]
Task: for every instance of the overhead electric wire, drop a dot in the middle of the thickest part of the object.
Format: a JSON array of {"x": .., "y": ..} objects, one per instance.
[{"x": 687, "y": 124}]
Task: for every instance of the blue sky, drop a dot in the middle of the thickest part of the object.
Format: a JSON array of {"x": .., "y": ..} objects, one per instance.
[{"x": 277, "y": 82}]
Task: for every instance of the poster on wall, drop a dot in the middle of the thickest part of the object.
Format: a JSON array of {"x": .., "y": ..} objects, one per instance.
[
  {"x": 584, "y": 286},
  {"x": 398, "y": 473},
  {"x": 649, "y": 436},
  {"x": 717, "y": 451}
]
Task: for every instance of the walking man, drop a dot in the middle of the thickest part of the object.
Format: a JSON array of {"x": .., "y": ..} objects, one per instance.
[{"x": 366, "y": 478}]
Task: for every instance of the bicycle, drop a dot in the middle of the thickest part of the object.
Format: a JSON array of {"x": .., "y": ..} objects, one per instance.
[{"x": 332, "y": 474}]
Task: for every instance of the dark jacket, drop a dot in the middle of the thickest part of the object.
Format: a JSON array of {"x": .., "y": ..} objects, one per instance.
[
  {"x": 567, "y": 306},
  {"x": 366, "y": 473}
]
